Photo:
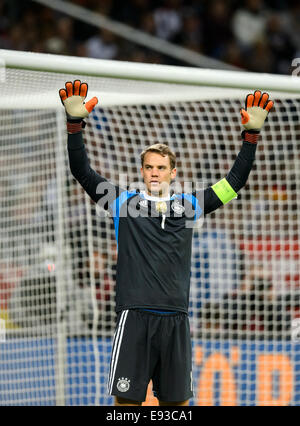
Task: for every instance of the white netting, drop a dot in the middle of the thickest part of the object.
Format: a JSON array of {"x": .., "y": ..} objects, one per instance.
[{"x": 58, "y": 255}]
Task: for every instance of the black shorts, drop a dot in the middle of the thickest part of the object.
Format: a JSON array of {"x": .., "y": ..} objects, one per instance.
[{"x": 151, "y": 346}]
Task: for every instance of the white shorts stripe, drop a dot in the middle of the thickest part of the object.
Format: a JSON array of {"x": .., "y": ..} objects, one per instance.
[
  {"x": 115, "y": 340},
  {"x": 116, "y": 350}
]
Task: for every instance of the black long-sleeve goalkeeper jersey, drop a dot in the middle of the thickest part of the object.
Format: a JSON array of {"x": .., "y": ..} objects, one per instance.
[{"x": 154, "y": 248}]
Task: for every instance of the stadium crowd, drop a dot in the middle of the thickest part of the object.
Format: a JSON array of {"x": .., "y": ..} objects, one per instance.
[{"x": 256, "y": 35}]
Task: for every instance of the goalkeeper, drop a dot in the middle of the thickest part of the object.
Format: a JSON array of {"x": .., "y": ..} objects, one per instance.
[{"x": 152, "y": 339}]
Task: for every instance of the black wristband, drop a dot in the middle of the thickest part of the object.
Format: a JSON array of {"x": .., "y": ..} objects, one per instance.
[
  {"x": 75, "y": 125},
  {"x": 251, "y": 136}
]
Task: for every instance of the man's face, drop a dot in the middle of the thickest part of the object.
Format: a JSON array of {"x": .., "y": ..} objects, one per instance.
[{"x": 157, "y": 173}]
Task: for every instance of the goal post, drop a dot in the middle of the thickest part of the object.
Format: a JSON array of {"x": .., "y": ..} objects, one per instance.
[{"x": 58, "y": 252}]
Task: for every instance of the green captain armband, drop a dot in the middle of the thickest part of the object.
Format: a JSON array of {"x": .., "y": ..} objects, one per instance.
[{"x": 224, "y": 191}]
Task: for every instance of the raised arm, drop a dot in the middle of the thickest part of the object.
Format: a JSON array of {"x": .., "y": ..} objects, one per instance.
[
  {"x": 96, "y": 186},
  {"x": 257, "y": 107}
]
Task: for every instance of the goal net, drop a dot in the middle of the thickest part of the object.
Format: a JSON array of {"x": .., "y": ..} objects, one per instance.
[{"x": 58, "y": 252}]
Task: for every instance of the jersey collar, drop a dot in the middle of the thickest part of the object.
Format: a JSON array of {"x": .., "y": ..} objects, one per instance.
[{"x": 151, "y": 198}]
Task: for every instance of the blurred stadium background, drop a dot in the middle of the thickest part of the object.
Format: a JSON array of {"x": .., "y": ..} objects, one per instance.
[
  {"x": 256, "y": 35},
  {"x": 245, "y": 277}
]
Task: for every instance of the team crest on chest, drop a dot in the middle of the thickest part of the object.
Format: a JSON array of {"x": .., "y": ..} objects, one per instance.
[{"x": 177, "y": 207}]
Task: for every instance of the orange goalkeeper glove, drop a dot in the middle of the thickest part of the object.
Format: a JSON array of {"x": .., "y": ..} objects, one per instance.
[
  {"x": 72, "y": 97},
  {"x": 257, "y": 107}
]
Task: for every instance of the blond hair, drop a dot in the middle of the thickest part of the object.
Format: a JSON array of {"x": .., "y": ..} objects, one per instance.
[{"x": 161, "y": 149}]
